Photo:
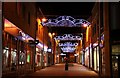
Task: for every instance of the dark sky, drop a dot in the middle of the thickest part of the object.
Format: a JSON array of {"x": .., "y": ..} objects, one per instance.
[{"x": 74, "y": 9}]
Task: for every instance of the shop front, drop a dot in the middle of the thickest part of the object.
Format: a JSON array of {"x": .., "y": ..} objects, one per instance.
[
  {"x": 17, "y": 54},
  {"x": 38, "y": 59},
  {"x": 41, "y": 56}
]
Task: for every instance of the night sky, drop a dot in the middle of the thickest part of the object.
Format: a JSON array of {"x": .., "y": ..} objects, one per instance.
[{"x": 74, "y": 9}]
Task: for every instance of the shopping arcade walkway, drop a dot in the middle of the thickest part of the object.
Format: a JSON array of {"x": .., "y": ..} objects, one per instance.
[{"x": 58, "y": 70}]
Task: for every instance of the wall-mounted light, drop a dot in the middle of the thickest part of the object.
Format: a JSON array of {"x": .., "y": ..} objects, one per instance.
[
  {"x": 44, "y": 19},
  {"x": 39, "y": 21},
  {"x": 37, "y": 49},
  {"x": 85, "y": 25},
  {"x": 49, "y": 50},
  {"x": 53, "y": 34}
]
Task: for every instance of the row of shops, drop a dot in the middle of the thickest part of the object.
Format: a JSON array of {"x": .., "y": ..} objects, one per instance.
[
  {"x": 90, "y": 56},
  {"x": 18, "y": 54}
]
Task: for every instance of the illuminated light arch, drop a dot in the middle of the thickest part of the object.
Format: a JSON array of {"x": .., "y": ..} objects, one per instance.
[
  {"x": 68, "y": 44},
  {"x": 68, "y": 49},
  {"x": 69, "y": 37},
  {"x": 66, "y": 21}
]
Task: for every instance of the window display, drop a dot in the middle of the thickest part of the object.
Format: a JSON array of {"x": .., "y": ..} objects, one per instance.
[
  {"x": 96, "y": 58},
  {"x": 90, "y": 57},
  {"x": 22, "y": 58},
  {"x": 28, "y": 58},
  {"x": 13, "y": 57},
  {"x": 5, "y": 56}
]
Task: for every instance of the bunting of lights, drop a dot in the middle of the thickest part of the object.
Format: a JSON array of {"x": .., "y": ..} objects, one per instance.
[
  {"x": 68, "y": 37},
  {"x": 66, "y": 21},
  {"x": 70, "y": 44}
]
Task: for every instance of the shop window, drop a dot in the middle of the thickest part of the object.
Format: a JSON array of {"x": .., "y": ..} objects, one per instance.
[
  {"x": 115, "y": 49},
  {"x": 38, "y": 59},
  {"x": 5, "y": 57},
  {"x": 95, "y": 59},
  {"x": 13, "y": 57},
  {"x": 28, "y": 58},
  {"x": 22, "y": 58}
]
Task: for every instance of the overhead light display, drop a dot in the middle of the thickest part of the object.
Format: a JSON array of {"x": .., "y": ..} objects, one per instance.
[
  {"x": 69, "y": 37},
  {"x": 68, "y": 44},
  {"x": 66, "y": 21},
  {"x": 68, "y": 49}
]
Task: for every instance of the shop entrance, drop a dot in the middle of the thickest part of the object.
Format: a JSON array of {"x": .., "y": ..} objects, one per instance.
[{"x": 116, "y": 66}]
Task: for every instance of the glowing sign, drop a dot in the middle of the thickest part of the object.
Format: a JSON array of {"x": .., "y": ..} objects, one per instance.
[
  {"x": 40, "y": 45},
  {"x": 68, "y": 37},
  {"x": 62, "y": 54},
  {"x": 49, "y": 50},
  {"x": 66, "y": 21},
  {"x": 68, "y": 44}
]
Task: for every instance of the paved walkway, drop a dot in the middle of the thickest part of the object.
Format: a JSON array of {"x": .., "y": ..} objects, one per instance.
[{"x": 58, "y": 70}]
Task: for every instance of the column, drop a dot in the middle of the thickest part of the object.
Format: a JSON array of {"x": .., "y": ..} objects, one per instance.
[
  {"x": 99, "y": 36},
  {"x": 107, "y": 39}
]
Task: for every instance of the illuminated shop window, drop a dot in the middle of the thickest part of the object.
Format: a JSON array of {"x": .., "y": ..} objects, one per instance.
[
  {"x": 22, "y": 58},
  {"x": 28, "y": 58},
  {"x": 13, "y": 56},
  {"x": 5, "y": 57}
]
